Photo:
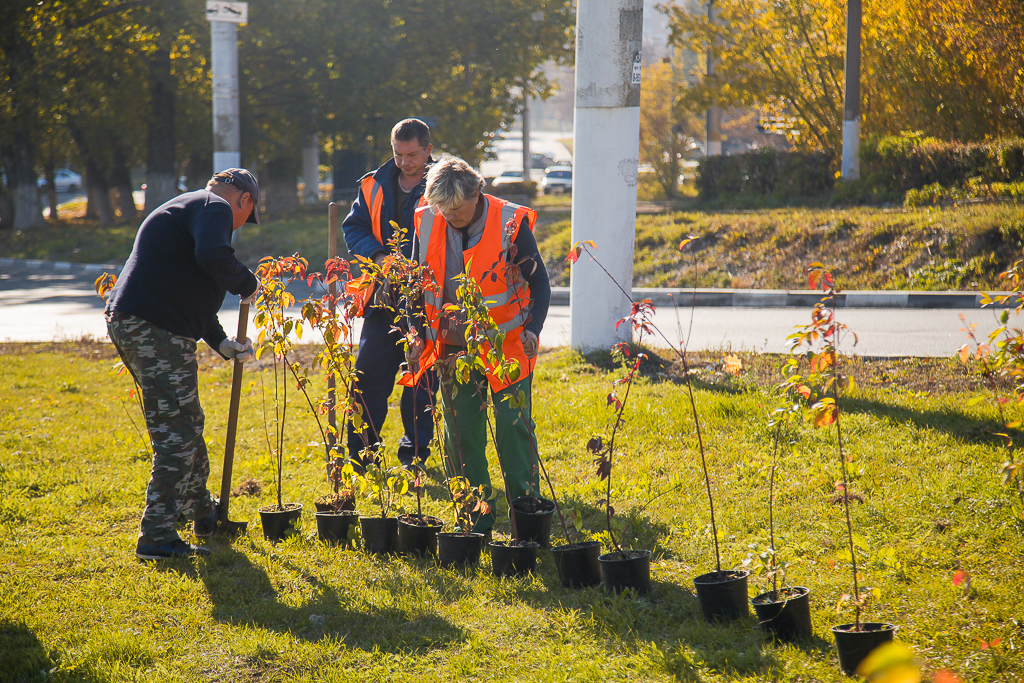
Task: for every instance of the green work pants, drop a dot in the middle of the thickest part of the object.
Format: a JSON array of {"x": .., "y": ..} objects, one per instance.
[{"x": 465, "y": 438}]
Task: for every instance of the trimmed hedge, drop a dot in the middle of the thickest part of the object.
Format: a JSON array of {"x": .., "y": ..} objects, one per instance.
[
  {"x": 890, "y": 167},
  {"x": 766, "y": 172},
  {"x": 906, "y": 162}
]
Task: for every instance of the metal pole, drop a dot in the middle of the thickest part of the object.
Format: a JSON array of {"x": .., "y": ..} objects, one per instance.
[
  {"x": 226, "y": 144},
  {"x": 851, "y": 107},
  {"x": 527, "y": 157},
  {"x": 713, "y": 124},
  {"x": 606, "y": 152}
]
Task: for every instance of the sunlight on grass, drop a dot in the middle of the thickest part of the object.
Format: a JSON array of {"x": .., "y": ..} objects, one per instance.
[{"x": 76, "y": 603}]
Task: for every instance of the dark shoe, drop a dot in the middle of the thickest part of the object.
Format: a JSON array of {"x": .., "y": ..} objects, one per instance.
[
  {"x": 163, "y": 551},
  {"x": 204, "y": 526}
]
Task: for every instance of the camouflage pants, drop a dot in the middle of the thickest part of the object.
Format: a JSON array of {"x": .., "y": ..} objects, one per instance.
[{"x": 164, "y": 365}]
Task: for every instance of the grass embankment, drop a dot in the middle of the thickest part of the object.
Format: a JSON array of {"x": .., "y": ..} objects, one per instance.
[
  {"x": 74, "y": 601},
  {"x": 953, "y": 247},
  {"x": 957, "y": 247}
]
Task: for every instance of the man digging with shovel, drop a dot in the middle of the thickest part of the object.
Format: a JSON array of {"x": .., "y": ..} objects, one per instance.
[{"x": 166, "y": 298}]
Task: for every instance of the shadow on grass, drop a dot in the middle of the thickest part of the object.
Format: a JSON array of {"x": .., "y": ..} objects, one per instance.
[
  {"x": 22, "y": 656},
  {"x": 953, "y": 422},
  {"x": 243, "y": 595}
]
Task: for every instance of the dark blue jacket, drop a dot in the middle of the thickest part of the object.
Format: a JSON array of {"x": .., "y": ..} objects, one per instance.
[
  {"x": 181, "y": 266},
  {"x": 357, "y": 226}
]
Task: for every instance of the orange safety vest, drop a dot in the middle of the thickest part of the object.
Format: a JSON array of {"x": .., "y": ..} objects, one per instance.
[
  {"x": 373, "y": 194},
  {"x": 508, "y": 303}
]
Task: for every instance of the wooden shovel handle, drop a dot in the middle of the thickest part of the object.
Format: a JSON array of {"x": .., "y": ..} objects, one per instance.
[{"x": 236, "y": 397}]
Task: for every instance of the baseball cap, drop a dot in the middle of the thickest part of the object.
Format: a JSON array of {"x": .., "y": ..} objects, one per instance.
[{"x": 245, "y": 182}]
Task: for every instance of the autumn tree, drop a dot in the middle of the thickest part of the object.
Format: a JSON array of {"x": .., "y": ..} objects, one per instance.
[
  {"x": 934, "y": 66},
  {"x": 666, "y": 129}
]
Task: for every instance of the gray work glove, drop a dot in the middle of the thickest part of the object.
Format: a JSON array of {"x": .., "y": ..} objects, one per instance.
[
  {"x": 530, "y": 343},
  {"x": 235, "y": 351}
]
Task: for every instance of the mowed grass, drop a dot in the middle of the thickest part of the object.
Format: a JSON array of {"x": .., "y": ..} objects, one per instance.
[{"x": 75, "y": 603}]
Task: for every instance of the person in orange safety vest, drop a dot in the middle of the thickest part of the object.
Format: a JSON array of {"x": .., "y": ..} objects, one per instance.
[
  {"x": 460, "y": 228},
  {"x": 391, "y": 193}
]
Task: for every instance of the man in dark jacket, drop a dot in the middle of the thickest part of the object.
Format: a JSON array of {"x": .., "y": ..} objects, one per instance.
[
  {"x": 166, "y": 298},
  {"x": 391, "y": 193}
]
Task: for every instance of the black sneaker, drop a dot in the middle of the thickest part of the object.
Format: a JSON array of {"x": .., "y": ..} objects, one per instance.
[
  {"x": 168, "y": 549},
  {"x": 203, "y": 527}
]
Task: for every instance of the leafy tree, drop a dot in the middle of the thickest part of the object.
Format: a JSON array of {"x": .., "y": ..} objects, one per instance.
[
  {"x": 944, "y": 77},
  {"x": 665, "y": 128}
]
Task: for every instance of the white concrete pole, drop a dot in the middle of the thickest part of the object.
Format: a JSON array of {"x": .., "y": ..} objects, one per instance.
[
  {"x": 605, "y": 157},
  {"x": 311, "y": 168},
  {"x": 527, "y": 157},
  {"x": 227, "y": 150},
  {"x": 851, "y": 103}
]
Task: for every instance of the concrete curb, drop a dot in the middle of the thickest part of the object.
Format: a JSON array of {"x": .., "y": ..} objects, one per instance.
[
  {"x": 735, "y": 298},
  {"x": 780, "y": 298},
  {"x": 10, "y": 265}
]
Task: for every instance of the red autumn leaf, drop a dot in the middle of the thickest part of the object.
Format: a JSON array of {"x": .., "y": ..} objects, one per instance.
[
  {"x": 959, "y": 577},
  {"x": 943, "y": 676},
  {"x": 804, "y": 390},
  {"x": 595, "y": 445},
  {"x": 604, "y": 468}
]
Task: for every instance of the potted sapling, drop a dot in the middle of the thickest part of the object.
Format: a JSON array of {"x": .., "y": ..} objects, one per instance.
[
  {"x": 398, "y": 284},
  {"x": 722, "y": 594},
  {"x": 531, "y": 527},
  {"x": 783, "y": 611},
  {"x": 382, "y": 487},
  {"x": 462, "y": 546},
  {"x": 822, "y": 389},
  {"x": 275, "y": 328},
  {"x": 331, "y": 316},
  {"x": 622, "y": 568}
]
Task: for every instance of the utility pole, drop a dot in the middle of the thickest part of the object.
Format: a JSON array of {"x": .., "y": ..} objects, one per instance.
[
  {"x": 606, "y": 150},
  {"x": 713, "y": 124},
  {"x": 527, "y": 157},
  {"x": 851, "y": 99},
  {"x": 224, "y": 18}
]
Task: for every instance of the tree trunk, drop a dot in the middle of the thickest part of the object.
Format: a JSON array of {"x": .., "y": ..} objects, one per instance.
[
  {"x": 51, "y": 187},
  {"x": 161, "y": 167},
  {"x": 99, "y": 194},
  {"x": 20, "y": 164},
  {"x": 198, "y": 172},
  {"x": 282, "y": 188},
  {"x": 311, "y": 168},
  {"x": 122, "y": 180}
]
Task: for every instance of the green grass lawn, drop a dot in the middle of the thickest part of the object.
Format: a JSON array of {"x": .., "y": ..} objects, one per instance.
[{"x": 75, "y": 602}]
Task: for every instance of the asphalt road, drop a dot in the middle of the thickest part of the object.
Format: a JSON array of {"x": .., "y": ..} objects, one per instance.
[{"x": 50, "y": 303}]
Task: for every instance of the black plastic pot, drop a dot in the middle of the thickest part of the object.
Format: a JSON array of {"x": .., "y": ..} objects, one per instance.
[
  {"x": 513, "y": 558},
  {"x": 627, "y": 569},
  {"x": 456, "y": 548},
  {"x": 279, "y": 524},
  {"x": 380, "y": 534},
  {"x": 531, "y": 519},
  {"x": 577, "y": 564},
  {"x": 723, "y": 595},
  {"x": 332, "y": 527},
  {"x": 786, "y": 616},
  {"x": 853, "y": 646},
  {"x": 417, "y": 534}
]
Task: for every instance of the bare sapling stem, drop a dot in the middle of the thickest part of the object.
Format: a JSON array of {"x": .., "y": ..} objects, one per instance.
[{"x": 771, "y": 510}]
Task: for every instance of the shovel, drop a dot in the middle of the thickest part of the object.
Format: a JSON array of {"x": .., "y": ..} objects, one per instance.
[{"x": 225, "y": 525}]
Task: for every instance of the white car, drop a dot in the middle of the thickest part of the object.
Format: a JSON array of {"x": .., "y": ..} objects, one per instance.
[
  {"x": 557, "y": 179},
  {"x": 63, "y": 181},
  {"x": 507, "y": 178}
]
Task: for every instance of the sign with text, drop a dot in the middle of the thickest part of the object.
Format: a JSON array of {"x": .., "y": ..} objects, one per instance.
[{"x": 221, "y": 10}]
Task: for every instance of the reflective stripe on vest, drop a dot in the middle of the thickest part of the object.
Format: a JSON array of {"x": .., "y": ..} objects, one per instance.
[{"x": 373, "y": 195}]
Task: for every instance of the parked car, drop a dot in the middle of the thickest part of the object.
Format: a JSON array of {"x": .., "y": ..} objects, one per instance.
[
  {"x": 557, "y": 179},
  {"x": 63, "y": 181},
  {"x": 508, "y": 177}
]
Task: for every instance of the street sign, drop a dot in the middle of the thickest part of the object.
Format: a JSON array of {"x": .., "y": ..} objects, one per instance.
[{"x": 221, "y": 10}]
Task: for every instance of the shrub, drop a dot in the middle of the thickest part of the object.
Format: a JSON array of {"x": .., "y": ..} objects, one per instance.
[{"x": 766, "y": 173}]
